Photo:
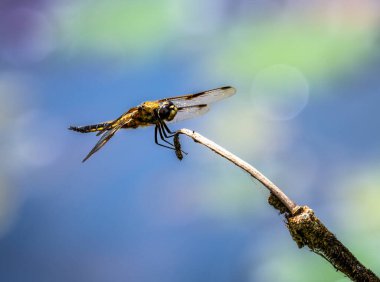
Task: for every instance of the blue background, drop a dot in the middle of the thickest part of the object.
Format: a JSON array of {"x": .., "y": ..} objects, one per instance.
[{"x": 305, "y": 114}]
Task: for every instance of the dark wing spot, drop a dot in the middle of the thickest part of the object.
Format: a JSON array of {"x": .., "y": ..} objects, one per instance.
[{"x": 225, "y": 87}]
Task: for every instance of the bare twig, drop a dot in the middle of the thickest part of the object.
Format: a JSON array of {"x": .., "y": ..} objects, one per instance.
[
  {"x": 304, "y": 227},
  {"x": 289, "y": 204}
]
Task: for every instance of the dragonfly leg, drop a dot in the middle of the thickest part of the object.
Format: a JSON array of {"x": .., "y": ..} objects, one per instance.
[
  {"x": 162, "y": 126},
  {"x": 157, "y": 129},
  {"x": 168, "y": 133},
  {"x": 163, "y": 135}
]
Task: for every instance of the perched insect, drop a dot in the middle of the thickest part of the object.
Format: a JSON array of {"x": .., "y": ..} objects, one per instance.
[{"x": 157, "y": 113}]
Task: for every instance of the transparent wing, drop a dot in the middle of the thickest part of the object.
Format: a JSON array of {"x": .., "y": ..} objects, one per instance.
[
  {"x": 190, "y": 112},
  {"x": 205, "y": 97},
  {"x": 104, "y": 139}
]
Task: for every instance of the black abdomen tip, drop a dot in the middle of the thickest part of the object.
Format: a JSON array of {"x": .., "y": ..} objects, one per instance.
[{"x": 75, "y": 128}]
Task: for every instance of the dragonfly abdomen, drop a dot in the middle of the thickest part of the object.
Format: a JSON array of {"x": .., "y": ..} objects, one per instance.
[{"x": 91, "y": 128}]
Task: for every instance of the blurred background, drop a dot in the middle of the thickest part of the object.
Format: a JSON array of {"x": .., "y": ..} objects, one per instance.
[{"x": 305, "y": 114}]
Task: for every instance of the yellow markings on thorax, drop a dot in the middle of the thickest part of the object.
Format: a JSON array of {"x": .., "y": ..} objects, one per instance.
[{"x": 146, "y": 115}]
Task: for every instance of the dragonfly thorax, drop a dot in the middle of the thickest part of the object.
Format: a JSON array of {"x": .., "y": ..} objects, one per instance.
[{"x": 167, "y": 111}]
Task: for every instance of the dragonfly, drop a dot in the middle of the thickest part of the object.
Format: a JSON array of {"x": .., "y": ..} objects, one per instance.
[{"x": 157, "y": 113}]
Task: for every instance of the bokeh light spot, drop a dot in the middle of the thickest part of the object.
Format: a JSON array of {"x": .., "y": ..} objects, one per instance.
[
  {"x": 27, "y": 36},
  {"x": 280, "y": 92}
]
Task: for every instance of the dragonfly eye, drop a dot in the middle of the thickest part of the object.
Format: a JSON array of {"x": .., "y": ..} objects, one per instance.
[{"x": 167, "y": 111}]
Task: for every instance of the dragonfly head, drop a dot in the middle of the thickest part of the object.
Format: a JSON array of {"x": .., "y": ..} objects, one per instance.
[{"x": 167, "y": 111}]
